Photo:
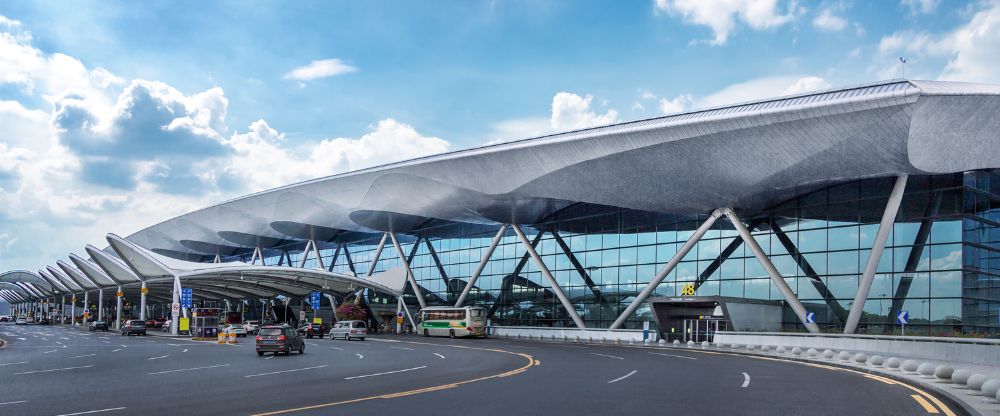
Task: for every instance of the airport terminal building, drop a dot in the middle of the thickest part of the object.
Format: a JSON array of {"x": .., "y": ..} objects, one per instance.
[{"x": 835, "y": 210}]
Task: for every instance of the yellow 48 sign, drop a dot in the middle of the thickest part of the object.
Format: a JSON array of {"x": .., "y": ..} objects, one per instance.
[{"x": 688, "y": 290}]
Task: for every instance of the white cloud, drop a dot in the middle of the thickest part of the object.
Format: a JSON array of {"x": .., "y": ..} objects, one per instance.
[
  {"x": 320, "y": 69},
  {"x": 722, "y": 15},
  {"x": 572, "y": 112},
  {"x": 969, "y": 50},
  {"x": 920, "y": 6},
  {"x": 828, "y": 21},
  {"x": 678, "y": 104},
  {"x": 760, "y": 88}
]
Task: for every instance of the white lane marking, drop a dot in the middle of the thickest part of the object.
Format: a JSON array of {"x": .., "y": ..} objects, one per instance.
[
  {"x": 189, "y": 369},
  {"x": 605, "y": 355},
  {"x": 269, "y": 357},
  {"x": 359, "y": 356},
  {"x": 53, "y": 369},
  {"x": 285, "y": 371},
  {"x": 46, "y": 352},
  {"x": 81, "y": 356},
  {"x": 623, "y": 377},
  {"x": 116, "y": 350},
  {"x": 19, "y": 362},
  {"x": 338, "y": 349},
  {"x": 22, "y": 339},
  {"x": 746, "y": 380},
  {"x": 63, "y": 338},
  {"x": 439, "y": 355},
  {"x": 402, "y": 348},
  {"x": 185, "y": 350},
  {"x": 19, "y": 401},
  {"x": 93, "y": 411},
  {"x": 672, "y": 355},
  {"x": 387, "y": 372},
  {"x": 157, "y": 358},
  {"x": 57, "y": 342}
]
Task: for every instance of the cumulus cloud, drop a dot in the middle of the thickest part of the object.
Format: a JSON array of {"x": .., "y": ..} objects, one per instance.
[
  {"x": 759, "y": 88},
  {"x": 828, "y": 21},
  {"x": 678, "y": 104},
  {"x": 969, "y": 50},
  {"x": 722, "y": 15},
  {"x": 320, "y": 69},
  {"x": 572, "y": 112}
]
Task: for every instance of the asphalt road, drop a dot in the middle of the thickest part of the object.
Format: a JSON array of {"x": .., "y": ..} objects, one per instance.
[{"x": 57, "y": 370}]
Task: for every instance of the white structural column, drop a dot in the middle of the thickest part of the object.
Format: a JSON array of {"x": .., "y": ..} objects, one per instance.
[
  {"x": 378, "y": 253},
  {"x": 482, "y": 265},
  {"x": 311, "y": 247},
  {"x": 548, "y": 276},
  {"x": 119, "y": 295},
  {"x": 72, "y": 309},
  {"x": 776, "y": 278},
  {"x": 86, "y": 306},
  {"x": 100, "y": 304},
  {"x": 653, "y": 284},
  {"x": 176, "y": 304},
  {"x": 409, "y": 273},
  {"x": 62, "y": 309},
  {"x": 884, "y": 227},
  {"x": 142, "y": 301}
]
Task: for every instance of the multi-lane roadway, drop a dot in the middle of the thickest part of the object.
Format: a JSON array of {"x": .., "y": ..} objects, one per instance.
[{"x": 58, "y": 370}]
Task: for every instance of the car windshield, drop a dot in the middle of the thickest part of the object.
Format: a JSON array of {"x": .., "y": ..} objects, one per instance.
[{"x": 270, "y": 331}]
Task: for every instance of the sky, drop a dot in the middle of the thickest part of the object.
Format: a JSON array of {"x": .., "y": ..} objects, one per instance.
[{"x": 116, "y": 115}]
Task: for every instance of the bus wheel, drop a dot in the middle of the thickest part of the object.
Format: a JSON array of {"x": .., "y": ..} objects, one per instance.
[
  {"x": 426, "y": 333},
  {"x": 451, "y": 333}
]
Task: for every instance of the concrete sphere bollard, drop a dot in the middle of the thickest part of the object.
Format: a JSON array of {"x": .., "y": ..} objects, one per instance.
[
  {"x": 892, "y": 363},
  {"x": 976, "y": 381},
  {"x": 812, "y": 353},
  {"x": 664, "y": 342},
  {"x": 690, "y": 343},
  {"x": 990, "y": 388},
  {"x": 735, "y": 346},
  {"x": 705, "y": 344},
  {"x": 844, "y": 356},
  {"x": 943, "y": 372},
  {"x": 765, "y": 348},
  {"x": 796, "y": 351},
  {"x": 876, "y": 361},
  {"x": 828, "y": 354},
  {"x": 861, "y": 358},
  {"x": 960, "y": 376},
  {"x": 780, "y": 350},
  {"x": 676, "y": 342},
  {"x": 751, "y": 347},
  {"x": 926, "y": 370},
  {"x": 910, "y": 366}
]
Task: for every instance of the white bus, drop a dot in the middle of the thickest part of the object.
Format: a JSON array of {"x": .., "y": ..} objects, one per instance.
[{"x": 452, "y": 322}]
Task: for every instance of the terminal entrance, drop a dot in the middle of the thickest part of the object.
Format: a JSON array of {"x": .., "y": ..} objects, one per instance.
[
  {"x": 699, "y": 318},
  {"x": 703, "y": 328}
]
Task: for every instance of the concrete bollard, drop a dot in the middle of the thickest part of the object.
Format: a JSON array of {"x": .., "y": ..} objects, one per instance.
[
  {"x": 926, "y": 370},
  {"x": 812, "y": 353},
  {"x": 828, "y": 354},
  {"x": 705, "y": 344},
  {"x": 910, "y": 366},
  {"x": 990, "y": 388},
  {"x": 751, "y": 347},
  {"x": 676, "y": 343},
  {"x": 765, "y": 348},
  {"x": 975, "y": 382},
  {"x": 960, "y": 377},
  {"x": 780, "y": 349},
  {"x": 893, "y": 363},
  {"x": 876, "y": 361},
  {"x": 735, "y": 346},
  {"x": 690, "y": 343},
  {"x": 796, "y": 351},
  {"x": 943, "y": 372},
  {"x": 844, "y": 356},
  {"x": 664, "y": 342},
  {"x": 861, "y": 358}
]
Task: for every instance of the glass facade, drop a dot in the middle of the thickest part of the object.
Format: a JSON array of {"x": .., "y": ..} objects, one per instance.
[{"x": 941, "y": 263}]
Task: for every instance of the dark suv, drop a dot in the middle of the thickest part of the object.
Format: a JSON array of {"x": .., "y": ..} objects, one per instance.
[
  {"x": 134, "y": 326},
  {"x": 279, "y": 339},
  {"x": 98, "y": 326},
  {"x": 313, "y": 330}
]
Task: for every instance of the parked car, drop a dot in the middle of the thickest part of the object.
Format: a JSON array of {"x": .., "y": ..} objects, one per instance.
[
  {"x": 349, "y": 330},
  {"x": 251, "y": 326},
  {"x": 43, "y": 321},
  {"x": 134, "y": 326},
  {"x": 313, "y": 330},
  {"x": 279, "y": 339},
  {"x": 99, "y": 326},
  {"x": 234, "y": 329},
  {"x": 21, "y": 321},
  {"x": 4, "y": 318}
]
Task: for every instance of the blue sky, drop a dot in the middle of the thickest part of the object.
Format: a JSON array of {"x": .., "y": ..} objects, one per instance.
[{"x": 118, "y": 115}]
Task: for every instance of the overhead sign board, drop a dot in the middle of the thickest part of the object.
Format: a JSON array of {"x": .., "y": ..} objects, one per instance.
[{"x": 314, "y": 297}]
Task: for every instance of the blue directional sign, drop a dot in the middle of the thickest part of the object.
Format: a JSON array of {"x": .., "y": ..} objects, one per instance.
[
  {"x": 903, "y": 318},
  {"x": 810, "y": 318},
  {"x": 314, "y": 300},
  {"x": 187, "y": 297}
]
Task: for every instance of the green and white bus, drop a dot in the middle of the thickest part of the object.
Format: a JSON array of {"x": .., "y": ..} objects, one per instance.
[{"x": 452, "y": 322}]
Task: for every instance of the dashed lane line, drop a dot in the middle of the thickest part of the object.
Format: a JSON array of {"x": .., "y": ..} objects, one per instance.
[
  {"x": 439, "y": 355},
  {"x": 51, "y": 351},
  {"x": 385, "y": 373},
  {"x": 286, "y": 371},
  {"x": 336, "y": 348},
  {"x": 14, "y": 402},
  {"x": 93, "y": 411},
  {"x": 53, "y": 369},
  {"x": 189, "y": 369},
  {"x": 402, "y": 348},
  {"x": 116, "y": 350},
  {"x": 673, "y": 355},
  {"x": 81, "y": 356},
  {"x": 157, "y": 358},
  {"x": 630, "y": 374},
  {"x": 606, "y": 355},
  {"x": 19, "y": 362}
]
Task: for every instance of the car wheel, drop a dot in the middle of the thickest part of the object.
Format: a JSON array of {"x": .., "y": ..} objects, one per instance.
[
  {"x": 451, "y": 333},
  {"x": 260, "y": 353},
  {"x": 362, "y": 338},
  {"x": 302, "y": 349}
]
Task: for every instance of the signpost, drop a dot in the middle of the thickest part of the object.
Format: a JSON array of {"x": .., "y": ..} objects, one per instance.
[{"x": 903, "y": 318}]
